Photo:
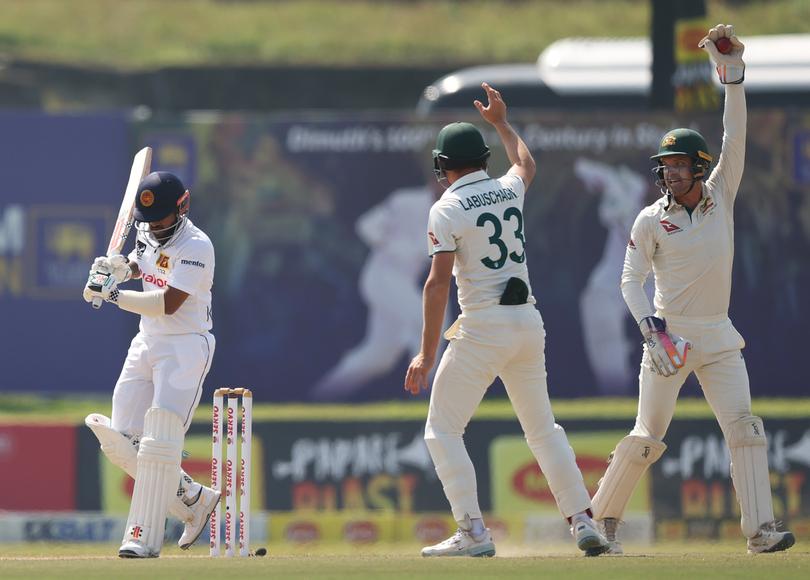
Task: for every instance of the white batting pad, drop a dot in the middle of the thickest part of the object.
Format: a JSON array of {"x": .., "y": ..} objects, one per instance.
[
  {"x": 158, "y": 476},
  {"x": 456, "y": 472},
  {"x": 119, "y": 449},
  {"x": 559, "y": 466},
  {"x": 749, "y": 472},
  {"x": 123, "y": 453},
  {"x": 628, "y": 462}
]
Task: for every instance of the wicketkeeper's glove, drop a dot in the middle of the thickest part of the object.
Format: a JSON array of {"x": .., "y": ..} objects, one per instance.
[
  {"x": 667, "y": 351},
  {"x": 730, "y": 67}
]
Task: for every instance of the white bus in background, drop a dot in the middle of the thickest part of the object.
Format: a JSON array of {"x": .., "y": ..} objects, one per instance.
[{"x": 616, "y": 73}]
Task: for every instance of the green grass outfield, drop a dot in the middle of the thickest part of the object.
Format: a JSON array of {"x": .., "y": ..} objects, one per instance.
[
  {"x": 149, "y": 33},
  {"x": 38, "y": 409},
  {"x": 683, "y": 561}
]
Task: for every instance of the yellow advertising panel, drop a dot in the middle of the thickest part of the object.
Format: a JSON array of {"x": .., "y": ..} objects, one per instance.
[{"x": 519, "y": 487}]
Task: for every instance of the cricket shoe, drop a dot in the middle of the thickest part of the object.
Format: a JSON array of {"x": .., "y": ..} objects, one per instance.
[
  {"x": 609, "y": 527},
  {"x": 462, "y": 543},
  {"x": 201, "y": 509},
  {"x": 588, "y": 538},
  {"x": 134, "y": 549},
  {"x": 770, "y": 539}
]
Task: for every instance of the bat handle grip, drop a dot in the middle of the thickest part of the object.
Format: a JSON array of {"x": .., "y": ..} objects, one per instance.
[{"x": 97, "y": 302}]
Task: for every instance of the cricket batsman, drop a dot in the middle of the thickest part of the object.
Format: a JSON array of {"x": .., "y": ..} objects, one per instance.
[
  {"x": 687, "y": 239},
  {"x": 162, "y": 379}
]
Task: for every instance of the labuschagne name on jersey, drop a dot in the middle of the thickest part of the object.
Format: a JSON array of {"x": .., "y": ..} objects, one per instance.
[{"x": 488, "y": 198}]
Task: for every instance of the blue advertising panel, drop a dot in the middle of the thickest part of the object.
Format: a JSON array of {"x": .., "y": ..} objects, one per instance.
[
  {"x": 63, "y": 179},
  {"x": 319, "y": 228}
]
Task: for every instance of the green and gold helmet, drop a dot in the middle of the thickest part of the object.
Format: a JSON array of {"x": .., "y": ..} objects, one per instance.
[
  {"x": 686, "y": 142},
  {"x": 459, "y": 145}
]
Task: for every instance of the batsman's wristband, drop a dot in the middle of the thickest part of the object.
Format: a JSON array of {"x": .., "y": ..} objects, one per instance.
[{"x": 144, "y": 303}]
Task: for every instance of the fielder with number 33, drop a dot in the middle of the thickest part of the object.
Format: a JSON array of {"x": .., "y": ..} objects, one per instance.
[
  {"x": 161, "y": 382},
  {"x": 475, "y": 231},
  {"x": 687, "y": 239}
]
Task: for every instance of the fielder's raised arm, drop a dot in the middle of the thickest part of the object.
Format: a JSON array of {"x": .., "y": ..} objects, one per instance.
[{"x": 518, "y": 153}]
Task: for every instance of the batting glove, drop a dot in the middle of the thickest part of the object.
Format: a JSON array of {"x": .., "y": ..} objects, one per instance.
[
  {"x": 100, "y": 284},
  {"x": 118, "y": 266}
]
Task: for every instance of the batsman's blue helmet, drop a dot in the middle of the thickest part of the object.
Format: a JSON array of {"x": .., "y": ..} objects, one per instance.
[{"x": 160, "y": 194}]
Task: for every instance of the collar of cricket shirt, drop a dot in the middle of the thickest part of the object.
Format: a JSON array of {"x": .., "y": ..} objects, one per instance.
[{"x": 468, "y": 179}]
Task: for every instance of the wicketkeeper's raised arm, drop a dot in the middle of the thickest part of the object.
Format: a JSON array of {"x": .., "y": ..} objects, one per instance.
[{"x": 731, "y": 71}]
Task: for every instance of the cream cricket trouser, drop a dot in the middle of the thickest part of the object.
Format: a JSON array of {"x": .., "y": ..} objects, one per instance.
[
  {"x": 166, "y": 372},
  {"x": 505, "y": 341},
  {"x": 716, "y": 359}
]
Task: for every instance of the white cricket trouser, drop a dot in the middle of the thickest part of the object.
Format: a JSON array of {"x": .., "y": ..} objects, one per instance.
[
  {"x": 715, "y": 358},
  {"x": 165, "y": 371},
  {"x": 505, "y": 341}
]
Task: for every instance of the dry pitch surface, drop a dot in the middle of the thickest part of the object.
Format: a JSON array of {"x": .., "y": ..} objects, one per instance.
[{"x": 682, "y": 561}]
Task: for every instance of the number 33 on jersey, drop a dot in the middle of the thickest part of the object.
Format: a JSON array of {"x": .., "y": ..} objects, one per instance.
[{"x": 481, "y": 219}]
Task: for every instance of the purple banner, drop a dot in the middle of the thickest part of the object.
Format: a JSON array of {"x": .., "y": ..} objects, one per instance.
[{"x": 319, "y": 228}]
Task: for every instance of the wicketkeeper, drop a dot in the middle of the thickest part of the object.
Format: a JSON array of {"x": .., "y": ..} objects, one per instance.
[{"x": 687, "y": 239}]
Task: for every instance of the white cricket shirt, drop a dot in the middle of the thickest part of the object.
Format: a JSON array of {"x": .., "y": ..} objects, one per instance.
[
  {"x": 690, "y": 257},
  {"x": 187, "y": 263},
  {"x": 481, "y": 219}
]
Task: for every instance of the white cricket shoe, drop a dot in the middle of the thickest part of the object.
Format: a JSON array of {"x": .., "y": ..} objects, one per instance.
[
  {"x": 609, "y": 528},
  {"x": 588, "y": 538},
  {"x": 201, "y": 510},
  {"x": 462, "y": 543},
  {"x": 770, "y": 539},
  {"x": 134, "y": 549}
]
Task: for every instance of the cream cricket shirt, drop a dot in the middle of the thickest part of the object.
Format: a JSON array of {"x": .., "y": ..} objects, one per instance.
[
  {"x": 481, "y": 219},
  {"x": 690, "y": 257},
  {"x": 187, "y": 263}
]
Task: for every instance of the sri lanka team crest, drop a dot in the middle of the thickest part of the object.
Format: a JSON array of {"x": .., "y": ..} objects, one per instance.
[
  {"x": 147, "y": 198},
  {"x": 162, "y": 261}
]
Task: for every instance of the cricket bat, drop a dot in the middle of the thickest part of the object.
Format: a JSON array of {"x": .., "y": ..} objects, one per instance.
[{"x": 140, "y": 168}]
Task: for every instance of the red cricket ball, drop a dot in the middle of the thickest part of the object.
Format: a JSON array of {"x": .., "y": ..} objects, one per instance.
[{"x": 723, "y": 45}]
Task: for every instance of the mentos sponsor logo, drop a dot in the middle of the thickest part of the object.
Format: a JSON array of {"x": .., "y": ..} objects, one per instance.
[
  {"x": 155, "y": 281},
  {"x": 430, "y": 530},
  {"x": 192, "y": 263},
  {"x": 361, "y": 532},
  {"x": 302, "y": 532}
]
